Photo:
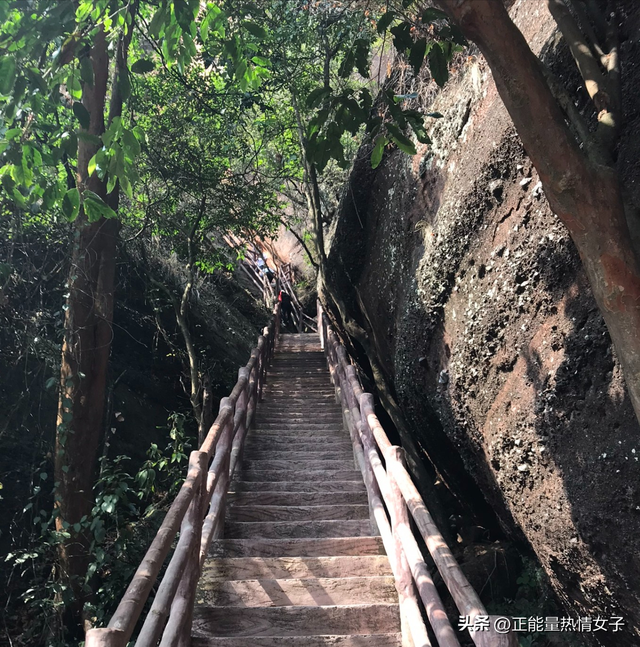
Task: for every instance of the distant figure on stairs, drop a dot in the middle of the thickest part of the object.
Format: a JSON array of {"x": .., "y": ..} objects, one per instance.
[{"x": 286, "y": 309}]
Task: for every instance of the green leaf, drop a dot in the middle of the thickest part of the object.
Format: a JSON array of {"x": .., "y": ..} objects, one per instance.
[
  {"x": 402, "y": 39},
  {"x": 71, "y": 204},
  {"x": 82, "y": 114},
  {"x": 126, "y": 187},
  {"x": 157, "y": 23},
  {"x": 124, "y": 84},
  {"x": 317, "y": 96},
  {"x": 91, "y": 167},
  {"x": 142, "y": 66},
  {"x": 89, "y": 138},
  {"x": 95, "y": 207},
  {"x": 421, "y": 133},
  {"x": 7, "y": 74},
  {"x": 438, "y": 64},
  {"x": 416, "y": 54},
  {"x": 362, "y": 57},
  {"x": 263, "y": 62},
  {"x": 385, "y": 20},
  {"x": 131, "y": 143},
  {"x": 86, "y": 70},
  {"x": 431, "y": 14},
  {"x": 254, "y": 29},
  {"x": 403, "y": 142},
  {"x": 378, "y": 150},
  {"x": 346, "y": 67}
]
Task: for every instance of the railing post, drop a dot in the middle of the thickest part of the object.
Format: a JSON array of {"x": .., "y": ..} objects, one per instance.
[
  {"x": 261, "y": 367},
  {"x": 177, "y": 633},
  {"x": 207, "y": 412},
  {"x": 104, "y": 638},
  {"x": 412, "y": 623},
  {"x": 277, "y": 327},
  {"x": 217, "y": 479},
  {"x": 240, "y": 418},
  {"x": 320, "y": 324}
]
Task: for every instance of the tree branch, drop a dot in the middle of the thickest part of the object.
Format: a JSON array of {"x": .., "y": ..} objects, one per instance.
[
  {"x": 304, "y": 245},
  {"x": 596, "y": 82}
]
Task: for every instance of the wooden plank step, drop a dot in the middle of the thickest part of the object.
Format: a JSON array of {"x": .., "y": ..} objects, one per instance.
[
  {"x": 284, "y": 447},
  {"x": 306, "y": 435},
  {"x": 261, "y": 513},
  {"x": 300, "y": 417},
  {"x": 275, "y": 409},
  {"x": 320, "y": 454},
  {"x": 298, "y": 486},
  {"x": 294, "y": 475},
  {"x": 313, "y": 464},
  {"x": 305, "y": 547},
  {"x": 362, "y": 640},
  {"x": 283, "y": 425},
  {"x": 257, "y": 568},
  {"x": 291, "y": 529},
  {"x": 295, "y": 621},
  {"x": 298, "y": 592},
  {"x": 296, "y": 498},
  {"x": 284, "y": 443},
  {"x": 300, "y": 421}
]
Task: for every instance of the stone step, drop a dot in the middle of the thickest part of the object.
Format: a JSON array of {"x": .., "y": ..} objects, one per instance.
[
  {"x": 297, "y": 498},
  {"x": 258, "y": 568},
  {"x": 261, "y": 513},
  {"x": 308, "y": 475},
  {"x": 296, "y": 621},
  {"x": 311, "y": 465},
  {"x": 361, "y": 640},
  {"x": 292, "y": 529},
  {"x": 305, "y": 547},
  {"x": 298, "y": 592},
  {"x": 356, "y": 485}
]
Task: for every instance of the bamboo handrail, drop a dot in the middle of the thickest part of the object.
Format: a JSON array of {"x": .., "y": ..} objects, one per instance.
[
  {"x": 198, "y": 512},
  {"x": 391, "y": 484}
]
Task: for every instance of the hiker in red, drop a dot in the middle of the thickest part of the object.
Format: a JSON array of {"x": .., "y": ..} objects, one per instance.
[{"x": 286, "y": 309}]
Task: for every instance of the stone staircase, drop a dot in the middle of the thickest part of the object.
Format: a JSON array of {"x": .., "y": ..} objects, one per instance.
[{"x": 299, "y": 564}]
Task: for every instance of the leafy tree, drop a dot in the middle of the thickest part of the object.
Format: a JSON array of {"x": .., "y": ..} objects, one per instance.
[
  {"x": 66, "y": 71},
  {"x": 204, "y": 173}
]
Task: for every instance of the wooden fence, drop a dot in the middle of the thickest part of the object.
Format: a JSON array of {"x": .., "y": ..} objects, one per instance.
[
  {"x": 392, "y": 498},
  {"x": 198, "y": 513}
]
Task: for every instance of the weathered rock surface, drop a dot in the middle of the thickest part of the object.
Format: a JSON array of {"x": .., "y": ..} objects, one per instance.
[{"x": 484, "y": 329}]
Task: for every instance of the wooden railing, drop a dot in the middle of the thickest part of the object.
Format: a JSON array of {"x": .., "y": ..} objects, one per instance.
[
  {"x": 197, "y": 513},
  {"x": 392, "y": 497}
]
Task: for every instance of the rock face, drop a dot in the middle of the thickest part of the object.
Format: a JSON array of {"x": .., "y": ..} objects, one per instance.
[{"x": 475, "y": 307}]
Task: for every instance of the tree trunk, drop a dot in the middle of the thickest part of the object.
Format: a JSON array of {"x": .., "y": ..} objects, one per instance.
[
  {"x": 585, "y": 195},
  {"x": 312, "y": 192},
  {"x": 85, "y": 355}
]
